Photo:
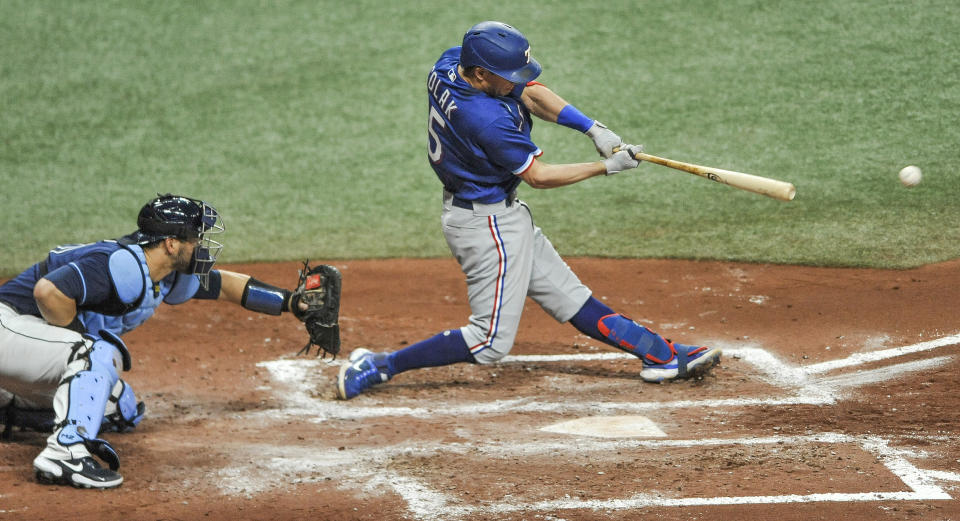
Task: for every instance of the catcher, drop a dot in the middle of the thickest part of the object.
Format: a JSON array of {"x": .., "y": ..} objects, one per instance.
[{"x": 62, "y": 319}]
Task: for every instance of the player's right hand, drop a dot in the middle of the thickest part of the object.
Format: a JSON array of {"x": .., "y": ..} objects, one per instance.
[{"x": 623, "y": 160}]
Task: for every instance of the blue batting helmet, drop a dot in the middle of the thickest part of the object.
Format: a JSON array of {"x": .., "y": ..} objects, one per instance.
[{"x": 500, "y": 49}]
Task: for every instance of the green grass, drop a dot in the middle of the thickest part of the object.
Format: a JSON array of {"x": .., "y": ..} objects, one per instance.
[{"x": 304, "y": 124}]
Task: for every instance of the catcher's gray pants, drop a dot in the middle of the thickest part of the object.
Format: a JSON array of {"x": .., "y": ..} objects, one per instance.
[
  {"x": 34, "y": 358},
  {"x": 506, "y": 258}
]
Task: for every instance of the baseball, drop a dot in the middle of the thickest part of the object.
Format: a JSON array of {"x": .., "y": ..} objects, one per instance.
[{"x": 910, "y": 175}]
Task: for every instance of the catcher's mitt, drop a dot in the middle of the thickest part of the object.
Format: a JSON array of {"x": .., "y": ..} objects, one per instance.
[{"x": 319, "y": 289}]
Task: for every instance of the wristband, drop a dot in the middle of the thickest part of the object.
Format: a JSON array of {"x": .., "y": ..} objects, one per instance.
[
  {"x": 571, "y": 117},
  {"x": 264, "y": 298}
]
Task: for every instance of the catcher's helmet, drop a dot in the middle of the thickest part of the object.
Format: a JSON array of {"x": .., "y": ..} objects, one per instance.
[
  {"x": 500, "y": 49},
  {"x": 186, "y": 219}
]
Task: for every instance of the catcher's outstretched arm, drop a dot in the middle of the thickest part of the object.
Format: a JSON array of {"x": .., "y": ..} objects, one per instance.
[
  {"x": 315, "y": 301},
  {"x": 253, "y": 294},
  {"x": 232, "y": 285}
]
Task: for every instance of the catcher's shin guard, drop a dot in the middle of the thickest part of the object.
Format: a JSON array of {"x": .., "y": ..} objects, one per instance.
[
  {"x": 81, "y": 399},
  {"x": 123, "y": 412}
]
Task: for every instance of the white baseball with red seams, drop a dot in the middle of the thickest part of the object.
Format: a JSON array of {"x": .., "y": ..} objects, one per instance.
[{"x": 910, "y": 175}]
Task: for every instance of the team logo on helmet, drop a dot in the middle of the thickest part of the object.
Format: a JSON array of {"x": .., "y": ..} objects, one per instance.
[{"x": 501, "y": 49}]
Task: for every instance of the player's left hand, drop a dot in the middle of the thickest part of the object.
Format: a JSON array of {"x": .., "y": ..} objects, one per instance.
[
  {"x": 604, "y": 139},
  {"x": 316, "y": 302}
]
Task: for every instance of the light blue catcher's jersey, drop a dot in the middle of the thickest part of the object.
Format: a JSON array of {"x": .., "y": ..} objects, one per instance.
[
  {"x": 477, "y": 144},
  {"x": 175, "y": 288},
  {"x": 109, "y": 281},
  {"x": 104, "y": 277}
]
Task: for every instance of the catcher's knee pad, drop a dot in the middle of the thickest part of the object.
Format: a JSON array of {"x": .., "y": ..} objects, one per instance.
[
  {"x": 633, "y": 338},
  {"x": 122, "y": 358}
]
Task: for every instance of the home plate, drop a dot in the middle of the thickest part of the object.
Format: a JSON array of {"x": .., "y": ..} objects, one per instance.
[{"x": 609, "y": 427}]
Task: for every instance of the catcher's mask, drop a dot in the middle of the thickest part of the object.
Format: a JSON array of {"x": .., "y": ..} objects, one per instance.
[{"x": 186, "y": 219}]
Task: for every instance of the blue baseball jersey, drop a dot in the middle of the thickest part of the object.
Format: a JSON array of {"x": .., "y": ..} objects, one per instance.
[
  {"x": 109, "y": 281},
  {"x": 477, "y": 143}
]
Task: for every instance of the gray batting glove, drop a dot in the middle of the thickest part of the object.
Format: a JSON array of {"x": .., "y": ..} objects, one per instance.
[
  {"x": 604, "y": 139},
  {"x": 623, "y": 160}
]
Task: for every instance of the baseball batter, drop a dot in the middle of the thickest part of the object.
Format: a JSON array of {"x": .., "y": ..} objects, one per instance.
[
  {"x": 481, "y": 96},
  {"x": 61, "y": 321}
]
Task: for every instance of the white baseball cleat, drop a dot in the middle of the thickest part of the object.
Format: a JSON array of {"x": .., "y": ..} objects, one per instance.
[{"x": 686, "y": 362}]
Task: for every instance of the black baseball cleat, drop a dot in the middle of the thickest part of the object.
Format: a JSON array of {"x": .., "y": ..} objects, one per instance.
[{"x": 80, "y": 473}]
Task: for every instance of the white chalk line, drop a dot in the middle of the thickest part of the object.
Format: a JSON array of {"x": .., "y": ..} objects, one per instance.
[
  {"x": 875, "y": 356},
  {"x": 649, "y": 501},
  {"x": 807, "y": 389},
  {"x": 921, "y": 483},
  {"x": 325, "y": 411},
  {"x": 426, "y": 503},
  {"x": 942, "y": 475},
  {"x": 367, "y": 467},
  {"x": 882, "y": 374},
  {"x": 422, "y": 501}
]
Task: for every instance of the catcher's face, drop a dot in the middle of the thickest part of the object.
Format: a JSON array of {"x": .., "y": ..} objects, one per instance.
[{"x": 183, "y": 256}]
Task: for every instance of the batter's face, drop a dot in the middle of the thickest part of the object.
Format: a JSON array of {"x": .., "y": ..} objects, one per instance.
[{"x": 492, "y": 84}]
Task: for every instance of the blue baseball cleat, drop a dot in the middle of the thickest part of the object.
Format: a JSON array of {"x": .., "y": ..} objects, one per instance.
[
  {"x": 686, "y": 362},
  {"x": 676, "y": 362},
  {"x": 362, "y": 372},
  {"x": 380, "y": 359}
]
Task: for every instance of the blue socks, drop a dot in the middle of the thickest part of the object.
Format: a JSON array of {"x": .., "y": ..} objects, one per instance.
[
  {"x": 594, "y": 319},
  {"x": 599, "y": 322},
  {"x": 445, "y": 348}
]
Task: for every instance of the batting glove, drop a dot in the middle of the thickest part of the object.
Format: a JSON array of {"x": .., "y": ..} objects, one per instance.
[
  {"x": 623, "y": 160},
  {"x": 604, "y": 139}
]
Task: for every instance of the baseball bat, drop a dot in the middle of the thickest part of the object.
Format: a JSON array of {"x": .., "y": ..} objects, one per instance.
[{"x": 752, "y": 183}]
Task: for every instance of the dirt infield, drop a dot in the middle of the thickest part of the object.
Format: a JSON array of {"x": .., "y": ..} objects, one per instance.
[{"x": 836, "y": 398}]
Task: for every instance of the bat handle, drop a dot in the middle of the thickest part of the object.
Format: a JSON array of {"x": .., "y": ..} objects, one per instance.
[{"x": 639, "y": 156}]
